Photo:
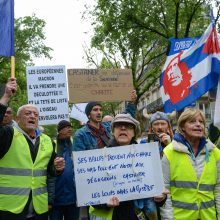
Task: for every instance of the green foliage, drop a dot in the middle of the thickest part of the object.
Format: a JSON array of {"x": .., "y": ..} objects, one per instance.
[
  {"x": 51, "y": 131},
  {"x": 76, "y": 125},
  {"x": 109, "y": 108},
  {"x": 134, "y": 33},
  {"x": 29, "y": 43}
]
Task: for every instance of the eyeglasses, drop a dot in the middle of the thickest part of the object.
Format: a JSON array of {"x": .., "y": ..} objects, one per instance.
[{"x": 124, "y": 124}]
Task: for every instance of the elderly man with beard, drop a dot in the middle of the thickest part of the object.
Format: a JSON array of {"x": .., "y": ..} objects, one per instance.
[{"x": 160, "y": 129}]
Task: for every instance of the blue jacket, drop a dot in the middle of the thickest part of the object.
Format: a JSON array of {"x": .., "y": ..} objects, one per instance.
[
  {"x": 84, "y": 139},
  {"x": 65, "y": 191}
]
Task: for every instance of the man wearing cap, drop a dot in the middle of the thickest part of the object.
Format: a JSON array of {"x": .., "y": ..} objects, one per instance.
[
  {"x": 161, "y": 129},
  {"x": 64, "y": 206},
  {"x": 96, "y": 134}
]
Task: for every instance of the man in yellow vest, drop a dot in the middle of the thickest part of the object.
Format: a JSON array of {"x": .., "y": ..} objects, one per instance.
[{"x": 26, "y": 157}]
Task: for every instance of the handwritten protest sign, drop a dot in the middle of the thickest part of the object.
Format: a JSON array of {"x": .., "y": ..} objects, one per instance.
[
  {"x": 128, "y": 172},
  {"x": 47, "y": 89},
  {"x": 99, "y": 85}
]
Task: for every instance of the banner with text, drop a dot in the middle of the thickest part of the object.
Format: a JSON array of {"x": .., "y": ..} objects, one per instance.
[
  {"x": 128, "y": 172},
  {"x": 87, "y": 85},
  {"x": 47, "y": 89}
]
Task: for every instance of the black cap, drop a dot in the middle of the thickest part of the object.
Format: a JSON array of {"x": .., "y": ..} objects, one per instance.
[
  {"x": 89, "y": 107},
  {"x": 62, "y": 124}
]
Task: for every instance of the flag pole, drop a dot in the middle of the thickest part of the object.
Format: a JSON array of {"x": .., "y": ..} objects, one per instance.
[{"x": 12, "y": 66}]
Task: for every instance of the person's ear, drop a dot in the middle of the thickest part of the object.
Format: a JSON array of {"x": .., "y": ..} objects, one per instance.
[{"x": 17, "y": 118}]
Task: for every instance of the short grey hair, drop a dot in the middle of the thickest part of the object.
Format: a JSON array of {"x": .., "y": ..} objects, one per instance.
[{"x": 25, "y": 106}]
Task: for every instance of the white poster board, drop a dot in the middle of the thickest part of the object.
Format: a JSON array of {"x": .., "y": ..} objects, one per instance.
[
  {"x": 78, "y": 112},
  {"x": 128, "y": 172},
  {"x": 47, "y": 89}
]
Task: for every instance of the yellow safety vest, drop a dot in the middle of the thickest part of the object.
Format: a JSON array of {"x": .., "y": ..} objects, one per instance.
[
  {"x": 104, "y": 213},
  {"x": 192, "y": 197},
  {"x": 19, "y": 176},
  {"x": 217, "y": 143}
]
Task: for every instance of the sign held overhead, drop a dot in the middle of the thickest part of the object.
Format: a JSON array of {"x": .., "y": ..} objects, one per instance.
[{"x": 99, "y": 85}]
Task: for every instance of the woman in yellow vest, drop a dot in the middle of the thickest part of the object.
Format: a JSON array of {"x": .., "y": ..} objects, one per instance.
[{"x": 191, "y": 169}]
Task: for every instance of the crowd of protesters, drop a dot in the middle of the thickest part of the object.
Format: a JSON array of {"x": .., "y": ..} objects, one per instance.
[{"x": 37, "y": 178}]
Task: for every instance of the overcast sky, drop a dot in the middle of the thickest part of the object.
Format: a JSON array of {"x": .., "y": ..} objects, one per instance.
[{"x": 65, "y": 30}]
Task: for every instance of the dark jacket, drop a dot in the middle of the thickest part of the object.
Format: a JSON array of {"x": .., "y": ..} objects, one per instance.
[
  {"x": 125, "y": 211},
  {"x": 85, "y": 140},
  {"x": 51, "y": 189},
  {"x": 65, "y": 190}
]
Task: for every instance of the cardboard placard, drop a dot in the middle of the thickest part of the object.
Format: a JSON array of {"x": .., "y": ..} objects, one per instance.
[{"x": 87, "y": 85}]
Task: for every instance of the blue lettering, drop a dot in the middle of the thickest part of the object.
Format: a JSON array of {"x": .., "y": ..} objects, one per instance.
[
  {"x": 111, "y": 193},
  {"x": 81, "y": 160},
  {"x": 134, "y": 175},
  {"x": 96, "y": 159},
  {"x": 95, "y": 195},
  {"x": 123, "y": 165},
  {"x": 116, "y": 157},
  {"x": 122, "y": 191}
]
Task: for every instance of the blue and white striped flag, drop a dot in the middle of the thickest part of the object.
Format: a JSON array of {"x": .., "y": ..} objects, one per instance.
[{"x": 191, "y": 69}]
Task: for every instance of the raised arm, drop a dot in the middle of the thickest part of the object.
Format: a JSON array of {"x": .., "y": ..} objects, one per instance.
[
  {"x": 6, "y": 132},
  {"x": 10, "y": 88},
  {"x": 131, "y": 106}
]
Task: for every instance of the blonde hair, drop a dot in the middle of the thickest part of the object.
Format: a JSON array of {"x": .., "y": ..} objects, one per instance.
[{"x": 187, "y": 115}]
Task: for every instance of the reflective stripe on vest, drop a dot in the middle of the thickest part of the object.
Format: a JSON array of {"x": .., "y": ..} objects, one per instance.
[
  {"x": 14, "y": 191},
  {"x": 39, "y": 191},
  {"x": 22, "y": 191},
  {"x": 198, "y": 199},
  {"x": 20, "y": 175},
  {"x": 193, "y": 185},
  {"x": 21, "y": 172},
  {"x": 193, "y": 206}
]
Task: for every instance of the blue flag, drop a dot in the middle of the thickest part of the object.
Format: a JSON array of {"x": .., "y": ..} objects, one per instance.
[
  {"x": 7, "y": 28},
  {"x": 191, "y": 69}
]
